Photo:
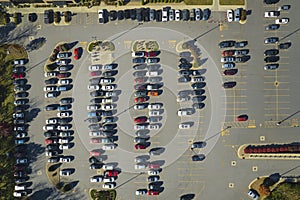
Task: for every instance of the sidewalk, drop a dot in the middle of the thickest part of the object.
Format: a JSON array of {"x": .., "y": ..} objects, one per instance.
[{"x": 135, "y": 4}]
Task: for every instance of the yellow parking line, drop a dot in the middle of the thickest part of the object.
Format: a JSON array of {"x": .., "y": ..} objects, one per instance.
[
  {"x": 276, "y": 89},
  {"x": 235, "y": 108},
  {"x": 271, "y": 102},
  {"x": 277, "y": 114},
  {"x": 288, "y": 108},
  {"x": 186, "y": 175},
  {"x": 273, "y": 95},
  {"x": 228, "y": 102}
]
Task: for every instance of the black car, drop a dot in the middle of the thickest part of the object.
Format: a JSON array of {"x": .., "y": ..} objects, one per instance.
[
  {"x": 133, "y": 14},
  {"x": 32, "y": 17},
  {"x": 198, "y": 105},
  {"x": 185, "y": 65},
  {"x": 96, "y": 166},
  {"x": 184, "y": 72},
  {"x": 185, "y": 14},
  {"x": 139, "y": 14},
  {"x": 158, "y": 16},
  {"x": 108, "y": 127},
  {"x": 285, "y": 45},
  {"x": 271, "y": 52},
  {"x": 19, "y": 69},
  {"x": 183, "y": 61},
  {"x": 271, "y": 1},
  {"x": 107, "y": 113},
  {"x": 51, "y": 81},
  {"x": 226, "y": 44},
  {"x": 184, "y": 79},
  {"x": 206, "y": 14},
  {"x": 229, "y": 84},
  {"x": 139, "y": 60},
  {"x": 48, "y": 16},
  {"x": 199, "y": 157},
  {"x": 21, "y": 81},
  {"x": 109, "y": 119},
  {"x": 120, "y": 14},
  {"x": 270, "y": 59},
  {"x": 198, "y": 92},
  {"x": 49, "y": 134},
  {"x": 139, "y": 66},
  {"x": 127, "y": 14},
  {"x": 198, "y": 99},
  {"x": 113, "y": 15},
  {"x": 51, "y": 107},
  {"x": 94, "y": 160},
  {"x": 146, "y": 13},
  {"x": 21, "y": 94},
  {"x": 140, "y": 73},
  {"x": 272, "y": 27},
  {"x": 21, "y": 108},
  {"x": 199, "y": 85},
  {"x": 109, "y": 73}
]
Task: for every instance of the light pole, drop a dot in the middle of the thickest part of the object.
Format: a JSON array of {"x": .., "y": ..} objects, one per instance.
[{"x": 278, "y": 123}]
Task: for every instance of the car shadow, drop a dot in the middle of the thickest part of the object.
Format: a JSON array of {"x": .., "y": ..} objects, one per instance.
[
  {"x": 187, "y": 196},
  {"x": 54, "y": 167}
]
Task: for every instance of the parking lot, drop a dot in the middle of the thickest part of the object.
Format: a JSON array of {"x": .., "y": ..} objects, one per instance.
[{"x": 180, "y": 175}]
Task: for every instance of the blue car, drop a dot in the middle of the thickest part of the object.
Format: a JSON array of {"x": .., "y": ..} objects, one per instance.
[
  {"x": 19, "y": 141},
  {"x": 64, "y": 107}
]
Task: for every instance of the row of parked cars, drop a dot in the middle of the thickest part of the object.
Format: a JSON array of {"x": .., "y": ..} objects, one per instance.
[
  {"x": 102, "y": 122},
  {"x": 161, "y": 15},
  {"x": 271, "y": 55},
  {"x": 58, "y": 131},
  {"x": 20, "y": 127},
  {"x": 147, "y": 76},
  {"x": 239, "y": 14}
]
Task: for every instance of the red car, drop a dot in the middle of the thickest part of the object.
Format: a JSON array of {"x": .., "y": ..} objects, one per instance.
[
  {"x": 150, "y": 54},
  {"x": 50, "y": 141},
  {"x": 96, "y": 73},
  {"x": 140, "y": 99},
  {"x": 19, "y": 167},
  {"x": 242, "y": 118},
  {"x": 153, "y": 166},
  {"x": 142, "y": 119},
  {"x": 63, "y": 75},
  {"x": 18, "y": 75},
  {"x": 140, "y": 80},
  {"x": 153, "y": 192},
  {"x": 230, "y": 71},
  {"x": 95, "y": 153},
  {"x": 140, "y": 146},
  {"x": 111, "y": 173},
  {"x": 228, "y": 53},
  {"x": 76, "y": 54}
]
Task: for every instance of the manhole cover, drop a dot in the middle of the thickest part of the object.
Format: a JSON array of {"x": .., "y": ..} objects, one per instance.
[{"x": 276, "y": 83}]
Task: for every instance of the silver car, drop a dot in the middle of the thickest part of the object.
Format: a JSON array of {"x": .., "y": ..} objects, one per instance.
[{"x": 228, "y": 65}]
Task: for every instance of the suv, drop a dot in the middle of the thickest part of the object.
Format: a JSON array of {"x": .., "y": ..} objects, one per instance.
[{"x": 240, "y": 44}]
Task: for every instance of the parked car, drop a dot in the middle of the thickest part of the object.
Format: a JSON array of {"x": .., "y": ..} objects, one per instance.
[
  {"x": 270, "y": 59},
  {"x": 271, "y": 40},
  {"x": 272, "y": 66},
  {"x": 284, "y": 20},
  {"x": 226, "y": 44},
  {"x": 271, "y": 52},
  {"x": 271, "y": 27}
]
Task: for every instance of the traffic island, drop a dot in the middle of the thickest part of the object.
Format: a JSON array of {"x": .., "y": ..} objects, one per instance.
[
  {"x": 142, "y": 45},
  {"x": 103, "y": 194},
  {"x": 270, "y": 151}
]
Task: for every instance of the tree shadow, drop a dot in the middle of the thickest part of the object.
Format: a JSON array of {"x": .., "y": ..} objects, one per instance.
[{"x": 34, "y": 150}]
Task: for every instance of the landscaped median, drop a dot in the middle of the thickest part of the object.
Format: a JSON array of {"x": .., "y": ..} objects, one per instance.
[
  {"x": 103, "y": 194},
  {"x": 289, "y": 151}
]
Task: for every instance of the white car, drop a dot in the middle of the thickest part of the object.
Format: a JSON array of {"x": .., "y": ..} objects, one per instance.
[
  {"x": 177, "y": 15},
  {"x": 50, "y": 88},
  {"x": 107, "y": 107},
  {"x": 272, "y": 14},
  {"x": 198, "y": 14},
  {"x": 65, "y": 159},
  {"x": 20, "y": 194},
  {"x": 153, "y": 113},
  {"x": 183, "y": 99},
  {"x": 64, "y": 114},
  {"x": 64, "y": 81},
  {"x": 153, "y": 126},
  {"x": 155, "y": 106},
  {"x": 140, "y": 166},
  {"x": 181, "y": 112},
  {"x": 184, "y": 126},
  {"x": 49, "y": 127},
  {"x": 140, "y": 127},
  {"x": 93, "y": 107},
  {"x": 137, "y": 54},
  {"x": 108, "y": 87},
  {"x": 96, "y": 179},
  {"x": 20, "y": 187},
  {"x": 227, "y": 59},
  {"x": 50, "y": 74},
  {"x": 153, "y": 172},
  {"x": 63, "y": 127},
  {"x": 109, "y": 146},
  {"x": 109, "y": 179},
  {"x": 63, "y": 140},
  {"x": 93, "y": 87},
  {"x": 105, "y": 80},
  {"x": 230, "y": 15},
  {"x": 109, "y": 185},
  {"x": 64, "y": 146},
  {"x": 108, "y": 167},
  {"x": 101, "y": 17},
  {"x": 93, "y": 68},
  {"x": 141, "y": 192},
  {"x": 282, "y": 21},
  {"x": 253, "y": 194},
  {"x": 164, "y": 15},
  {"x": 51, "y": 121}
]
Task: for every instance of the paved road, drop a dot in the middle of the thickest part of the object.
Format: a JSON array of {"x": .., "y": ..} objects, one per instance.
[{"x": 254, "y": 85}]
